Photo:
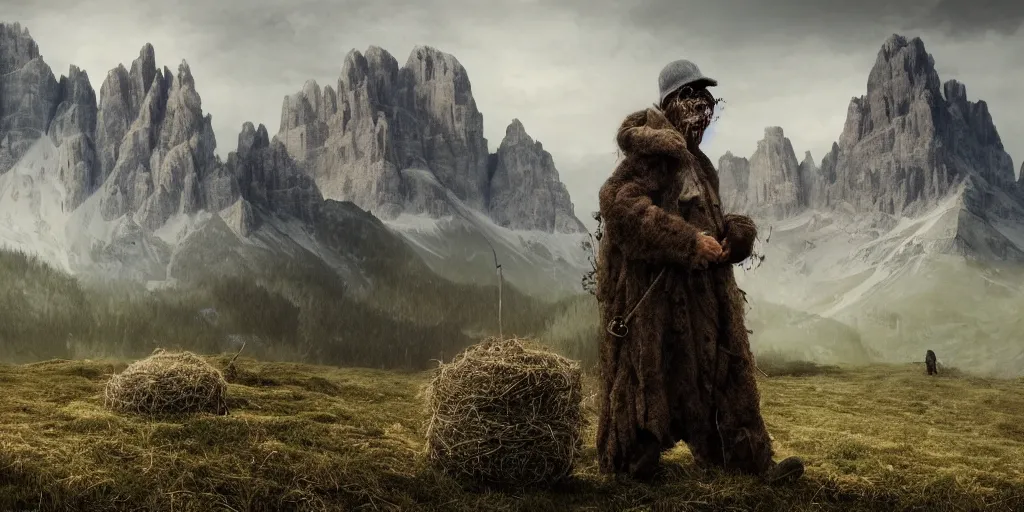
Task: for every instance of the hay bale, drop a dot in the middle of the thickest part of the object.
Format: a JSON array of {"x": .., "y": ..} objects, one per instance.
[
  {"x": 167, "y": 383},
  {"x": 506, "y": 413}
]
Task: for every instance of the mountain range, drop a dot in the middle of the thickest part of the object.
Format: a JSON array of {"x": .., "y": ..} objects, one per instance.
[
  {"x": 907, "y": 235},
  {"x": 128, "y": 184},
  {"x": 876, "y": 234}
]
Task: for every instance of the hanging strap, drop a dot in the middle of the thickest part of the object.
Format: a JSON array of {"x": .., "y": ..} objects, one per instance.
[{"x": 618, "y": 326}]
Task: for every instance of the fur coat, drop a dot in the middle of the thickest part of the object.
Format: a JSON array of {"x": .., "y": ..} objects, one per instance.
[{"x": 684, "y": 371}]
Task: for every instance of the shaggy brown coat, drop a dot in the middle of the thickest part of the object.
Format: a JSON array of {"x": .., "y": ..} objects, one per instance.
[{"x": 684, "y": 371}]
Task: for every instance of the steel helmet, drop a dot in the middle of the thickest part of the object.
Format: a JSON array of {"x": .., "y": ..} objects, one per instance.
[{"x": 678, "y": 74}]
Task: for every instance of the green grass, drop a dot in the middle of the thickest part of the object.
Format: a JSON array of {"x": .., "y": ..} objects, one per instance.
[{"x": 303, "y": 437}]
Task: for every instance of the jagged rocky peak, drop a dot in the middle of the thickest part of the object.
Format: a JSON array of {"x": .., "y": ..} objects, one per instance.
[
  {"x": 977, "y": 118},
  {"x": 911, "y": 140},
  {"x": 903, "y": 75},
  {"x": 375, "y": 61},
  {"x": 76, "y": 113},
  {"x": 808, "y": 161},
  {"x": 33, "y": 104},
  {"x": 398, "y": 140},
  {"x": 158, "y": 143},
  {"x": 525, "y": 191},
  {"x": 442, "y": 98},
  {"x": 261, "y": 173},
  {"x": 252, "y": 138},
  {"x": 515, "y": 133},
  {"x": 304, "y": 117},
  {"x": 376, "y": 71},
  {"x": 774, "y": 186},
  {"x": 1020, "y": 183},
  {"x": 143, "y": 70},
  {"x": 17, "y": 47},
  {"x": 73, "y": 129},
  {"x": 828, "y": 164},
  {"x": 184, "y": 121},
  {"x": 121, "y": 97},
  {"x": 811, "y": 181},
  {"x": 733, "y": 179},
  {"x": 28, "y": 94},
  {"x": 428, "y": 64}
]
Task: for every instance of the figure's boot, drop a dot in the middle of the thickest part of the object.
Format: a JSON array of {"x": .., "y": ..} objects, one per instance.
[
  {"x": 786, "y": 471},
  {"x": 644, "y": 465}
]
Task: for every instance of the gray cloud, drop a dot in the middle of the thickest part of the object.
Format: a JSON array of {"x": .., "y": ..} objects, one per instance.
[
  {"x": 971, "y": 17},
  {"x": 568, "y": 69},
  {"x": 748, "y": 21}
]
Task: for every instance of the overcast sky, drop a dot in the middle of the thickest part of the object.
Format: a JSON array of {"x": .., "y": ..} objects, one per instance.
[{"x": 569, "y": 70}]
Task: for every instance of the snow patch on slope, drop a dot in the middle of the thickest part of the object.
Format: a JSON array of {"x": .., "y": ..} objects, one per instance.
[
  {"x": 32, "y": 217},
  {"x": 533, "y": 260},
  {"x": 903, "y": 285},
  {"x": 180, "y": 225},
  {"x": 909, "y": 242}
]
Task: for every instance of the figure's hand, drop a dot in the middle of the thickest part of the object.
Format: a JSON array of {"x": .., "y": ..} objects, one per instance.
[
  {"x": 738, "y": 242},
  {"x": 708, "y": 250},
  {"x": 725, "y": 251}
]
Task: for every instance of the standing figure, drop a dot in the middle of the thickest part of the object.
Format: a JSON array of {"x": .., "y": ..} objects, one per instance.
[
  {"x": 931, "y": 362},
  {"x": 675, "y": 358}
]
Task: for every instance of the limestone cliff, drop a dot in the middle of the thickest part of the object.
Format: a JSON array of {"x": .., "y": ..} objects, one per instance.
[
  {"x": 387, "y": 134},
  {"x": 525, "y": 192},
  {"x": 774, "y": 184},
  {"x": 33, "y": 103},
  {"x": 911, "y": 139},
  {"x": 908, "y": 146},
  {"x": 733, "y": 179}
]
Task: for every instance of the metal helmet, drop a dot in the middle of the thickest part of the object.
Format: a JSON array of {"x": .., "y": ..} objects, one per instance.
[{"x": 678, "y": 74}]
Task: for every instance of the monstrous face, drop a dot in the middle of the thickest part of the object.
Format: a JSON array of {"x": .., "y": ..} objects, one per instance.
[{"x": 691, "y": 111}]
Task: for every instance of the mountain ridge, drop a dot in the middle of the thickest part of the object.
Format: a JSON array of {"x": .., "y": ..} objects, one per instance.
[
  {"x": 913, "y": 211},
  {"x": 141, "y": 157},
  {"x": 906, "y": 145},
  {"x": 358, "y": 137}
]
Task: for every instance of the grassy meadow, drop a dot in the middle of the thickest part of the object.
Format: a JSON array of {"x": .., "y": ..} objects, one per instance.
[
  {"x": 317, "y": 438},
  {"x": 327, "y": 412}
]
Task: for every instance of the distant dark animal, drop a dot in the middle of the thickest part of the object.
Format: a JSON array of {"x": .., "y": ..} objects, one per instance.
[{"x": 929, "y": 361}]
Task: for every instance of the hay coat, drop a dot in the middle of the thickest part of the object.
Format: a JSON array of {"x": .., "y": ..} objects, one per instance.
[{"x": 684, "y": 371}]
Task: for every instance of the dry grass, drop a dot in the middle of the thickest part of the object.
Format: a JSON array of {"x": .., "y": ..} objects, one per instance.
[
  {"x": 317, "y": 438},
  {"x": 167, "y": 383},
  {"x": 776, "y": 364},
  {"x": 506, "y": 413}
]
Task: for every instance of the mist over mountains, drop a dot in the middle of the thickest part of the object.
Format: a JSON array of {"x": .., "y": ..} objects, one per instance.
[
  {"x": 907, "y": 144},
  {"x": 911, "y": 229},
  {"x": 125, "y": 180},
  {"x": 386, "y": 172}
]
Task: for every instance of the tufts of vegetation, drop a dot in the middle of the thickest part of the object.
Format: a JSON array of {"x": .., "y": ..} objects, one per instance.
[{"x": 314, "y": 438}]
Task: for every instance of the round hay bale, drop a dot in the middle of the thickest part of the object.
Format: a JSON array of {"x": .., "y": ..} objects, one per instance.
[
  {"x": 506, "y": 413},
  {"x": 167, "y": 383}
]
